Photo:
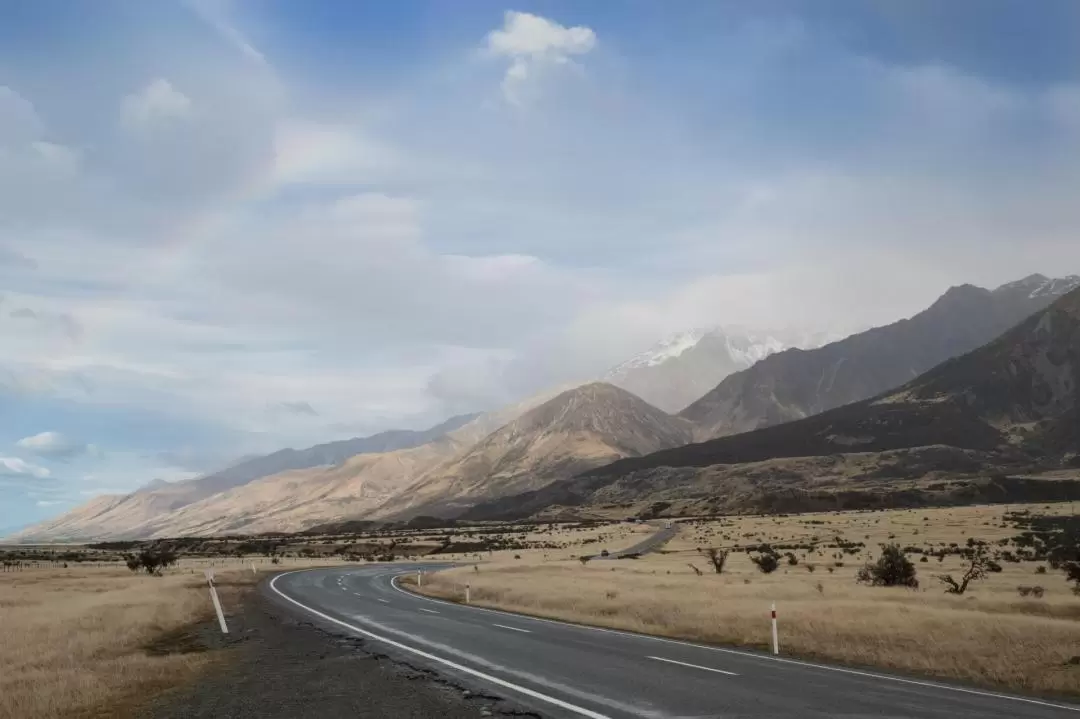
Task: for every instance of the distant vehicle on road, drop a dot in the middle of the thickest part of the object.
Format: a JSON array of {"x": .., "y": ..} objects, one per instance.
[{"x": 604, "y": 553}]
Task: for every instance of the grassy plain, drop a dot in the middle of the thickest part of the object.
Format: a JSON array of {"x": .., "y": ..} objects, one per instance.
[
  {"x": 990, "y": 636},
  {"x": 86, "y": 640}
]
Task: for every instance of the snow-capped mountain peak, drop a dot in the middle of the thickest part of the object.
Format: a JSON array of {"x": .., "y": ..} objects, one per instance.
[
  {"x": 664, "y": 350},
  {"x": 1043, "y": 286},
  {"x": 680, "y": 368},
  {"x": 1057, "y": 286}
]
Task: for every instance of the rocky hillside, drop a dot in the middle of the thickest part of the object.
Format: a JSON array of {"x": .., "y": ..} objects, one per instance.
[
  {"x": 1011, "y": 406},
  {"x": 579, "y": 429},
  {"x": 794, "y": 384}
]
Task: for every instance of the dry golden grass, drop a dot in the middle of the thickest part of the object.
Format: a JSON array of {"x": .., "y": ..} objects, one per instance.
[
  {"x": 74, "y": 640},
  {"x": 989, "y": 636}
]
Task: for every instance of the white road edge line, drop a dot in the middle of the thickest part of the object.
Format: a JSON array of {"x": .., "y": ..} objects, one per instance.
[
  {"x": 694, "y": 666},
  {"x": 516, "y": 629},
  {"x": 453, "y": 665},
  {"x": 738, "y": 652}
]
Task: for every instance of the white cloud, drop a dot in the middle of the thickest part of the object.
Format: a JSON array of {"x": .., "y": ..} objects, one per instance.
[
  {"x": 532, "y": 44},
  {"x": 54, "y": 445},
  {"x": 309, "y": 152},
  {"x": 157, "y": 102},
  {"x": 15, "y": 467}
]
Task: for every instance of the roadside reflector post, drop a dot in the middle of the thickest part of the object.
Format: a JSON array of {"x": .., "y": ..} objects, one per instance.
[
  {"x": 253, "y": 570},
  {"x": 216, "y": 601},
  {"x": 466, "y": 593},
  {"x": 775, "y": 635},
  {"x": 419, "y": 578}
]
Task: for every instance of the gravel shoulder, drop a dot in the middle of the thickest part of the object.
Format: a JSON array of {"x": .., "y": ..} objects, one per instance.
[{"x": 277, "y": 665}]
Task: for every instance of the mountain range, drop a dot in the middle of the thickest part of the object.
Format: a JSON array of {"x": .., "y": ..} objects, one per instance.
[
  {"x": 794, "y": 384},
  {"x": 1011, "y": 405},
  {"x": 793, "y": 415}
]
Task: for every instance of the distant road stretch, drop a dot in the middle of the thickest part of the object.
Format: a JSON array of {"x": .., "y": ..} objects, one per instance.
[
  {"x": 651, "y": 544},
  {"x": 564, "y": 670}
]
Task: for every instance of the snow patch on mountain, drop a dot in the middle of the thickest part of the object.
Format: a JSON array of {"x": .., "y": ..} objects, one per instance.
[
  {"x": 1043, "y": 286},
  {"x": 664, "y": 350},
  {"x": 1056, "y": 287},
  {"x": 744, "y": 347}
]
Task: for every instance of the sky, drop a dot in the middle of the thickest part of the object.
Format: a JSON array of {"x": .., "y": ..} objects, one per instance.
[{"x": 231, "y": 227}]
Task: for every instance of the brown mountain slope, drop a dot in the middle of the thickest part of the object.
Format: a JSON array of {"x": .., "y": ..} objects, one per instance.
[
  {"x": 293, "y": 501},
  {"x": 292, "y": 498},
  {"x": 794, "y": 384},
  {"x": 577, "y": 430},
  {"x": 124, "y": 515},
  {"x": 1011, "y": 404}
]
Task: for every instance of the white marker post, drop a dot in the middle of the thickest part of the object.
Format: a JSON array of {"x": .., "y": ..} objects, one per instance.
[
  {"x": 775, "y": 636},
  {"x": 216, "y": 601},
  {"x": 466, "y": 593},
  {"x": 253, "y": 570},
  {"x": 419, "y": 579}
]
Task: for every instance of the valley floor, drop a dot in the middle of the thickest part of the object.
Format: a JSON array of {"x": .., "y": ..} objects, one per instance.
[{"x": 991, "y": 636}]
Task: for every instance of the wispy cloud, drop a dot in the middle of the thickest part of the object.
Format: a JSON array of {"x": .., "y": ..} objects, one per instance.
[
  {"x": 54, "y": 445},
  {"x": 18, "y": 468}
]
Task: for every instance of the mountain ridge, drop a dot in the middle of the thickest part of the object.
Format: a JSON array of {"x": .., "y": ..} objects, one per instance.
[
  {"x": 794, "y": 384},
  {"x": 122, "y": 514},
  {"x": 1012, "y": 404},
  {"x": 583, "y": 427}
]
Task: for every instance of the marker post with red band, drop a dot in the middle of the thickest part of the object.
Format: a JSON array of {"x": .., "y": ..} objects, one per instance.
[{"x": 775, "y": 636}]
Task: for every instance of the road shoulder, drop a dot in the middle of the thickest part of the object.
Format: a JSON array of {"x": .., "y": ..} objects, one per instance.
[{"x": 281, "y": 666}]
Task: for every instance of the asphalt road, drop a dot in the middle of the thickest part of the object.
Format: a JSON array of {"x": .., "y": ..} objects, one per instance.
[
  {"x": 650, "y": 544},
  {"x": 563, "y": 670}
]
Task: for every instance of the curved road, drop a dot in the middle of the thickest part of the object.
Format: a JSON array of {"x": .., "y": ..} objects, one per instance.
[
  {"x": 650, "y": 544},
  {"x": 564, "y": 670}
]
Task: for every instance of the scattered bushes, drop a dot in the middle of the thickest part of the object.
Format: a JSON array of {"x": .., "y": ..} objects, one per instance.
[
  {"x": 768, "y": 561},
  {"x": 979, "y": 565},
  {"x": 892, "y": 569},
  {"x": 152, "y": 561},
  {"x": 717, "y": 557},
  {"x": 1037, "y": 592}
]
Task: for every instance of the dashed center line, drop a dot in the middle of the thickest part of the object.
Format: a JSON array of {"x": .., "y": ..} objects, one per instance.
[
  {"x": 429, "y": 611},
  {"x": 694, "y": 666},
  {"x": 516, "y": 629},
  {"x": 385, "y": 601}
]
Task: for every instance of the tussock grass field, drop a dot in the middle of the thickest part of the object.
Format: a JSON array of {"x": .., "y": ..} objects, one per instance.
[
  {"x": 990, "y": 636},
  {"x": 85, "y": 640}
]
